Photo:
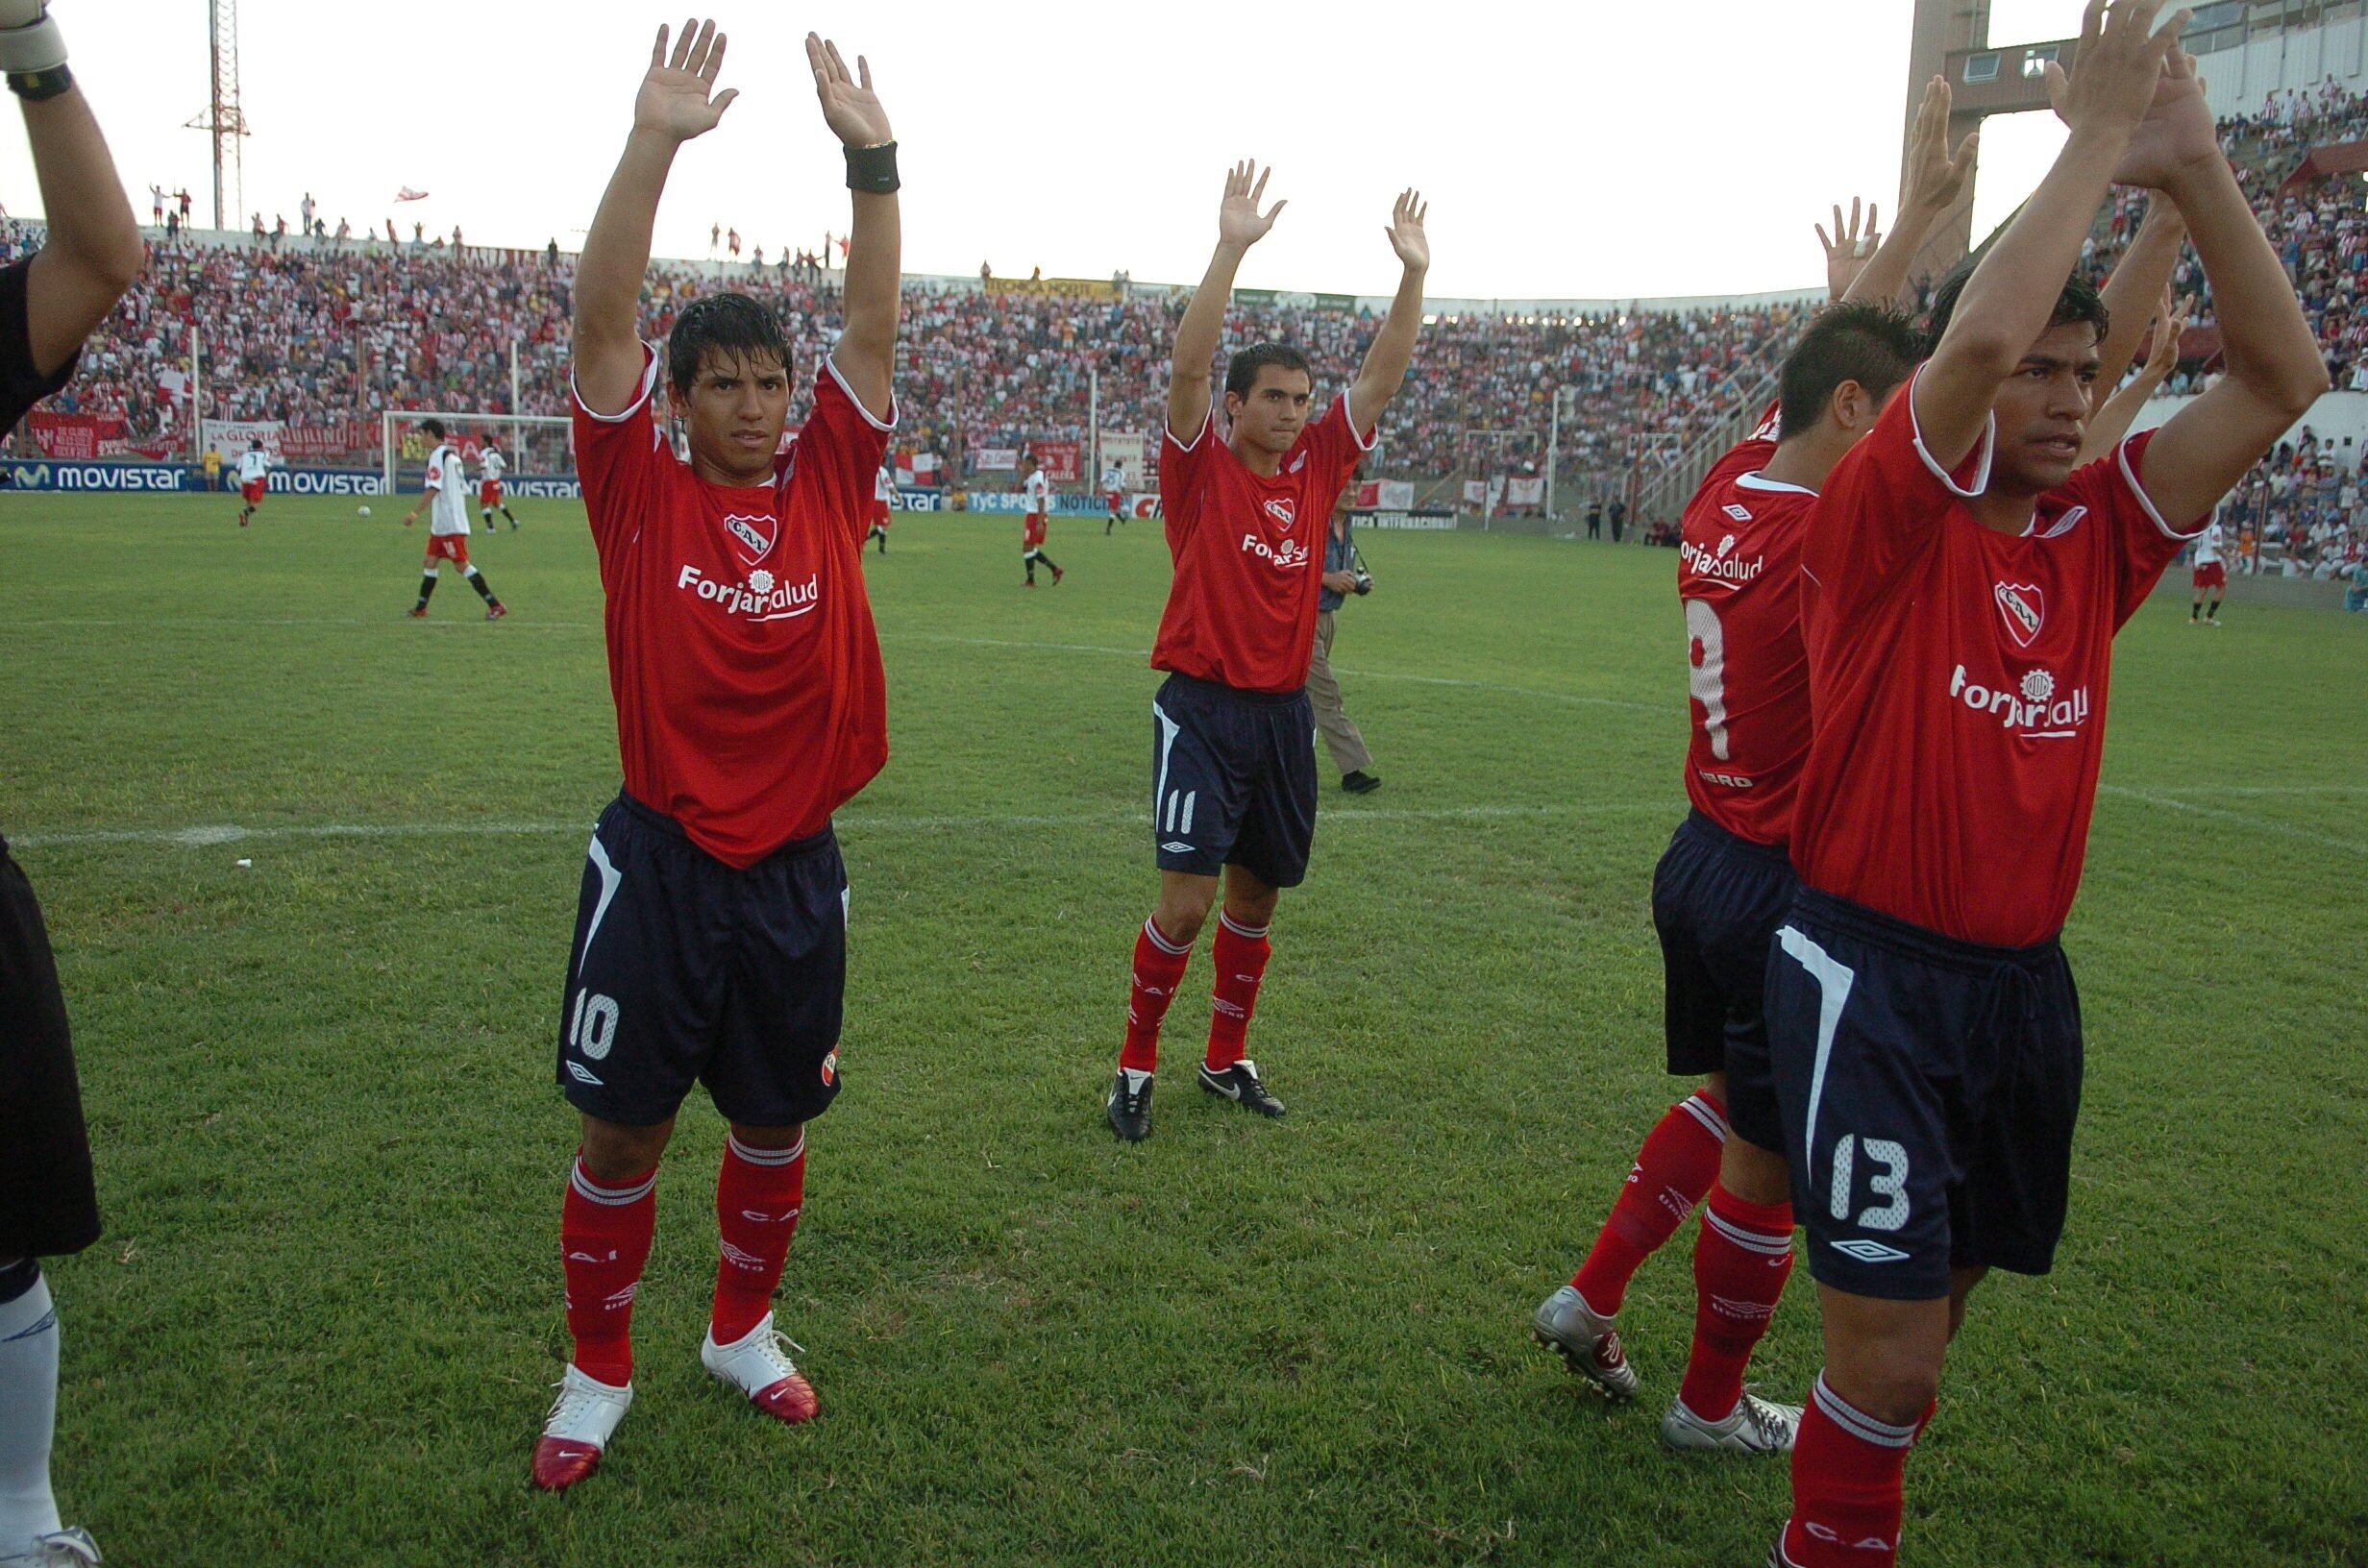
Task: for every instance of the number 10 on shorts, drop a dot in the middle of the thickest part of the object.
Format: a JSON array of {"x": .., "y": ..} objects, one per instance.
[{"x": 592, "y": 1027}]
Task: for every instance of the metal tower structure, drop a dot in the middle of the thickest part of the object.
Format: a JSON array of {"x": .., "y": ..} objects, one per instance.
[{"x": 222, "y": 119}]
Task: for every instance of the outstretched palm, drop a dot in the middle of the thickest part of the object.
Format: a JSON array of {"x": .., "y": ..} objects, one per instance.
[
  {"x": 1238, "y": 222},
  {"x": 1846, "y": 255},
  {"x": 849, "y": 107},
  {"x": 2177, "y": 133},
  {"x": 674, "y": 99},
  {"x": 1406, "y": 234},
  {"x": 1935, "y": 176}
]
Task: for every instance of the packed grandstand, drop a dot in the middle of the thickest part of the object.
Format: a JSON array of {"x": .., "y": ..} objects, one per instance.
[{"x": 320, "y": 335}]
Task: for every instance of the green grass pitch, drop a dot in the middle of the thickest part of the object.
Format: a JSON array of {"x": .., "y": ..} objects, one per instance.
[{"x": 321, "y": 1324}]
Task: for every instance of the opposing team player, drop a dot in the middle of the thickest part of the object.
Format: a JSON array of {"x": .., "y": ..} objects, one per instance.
[
  {"x": 48, "y": 1203},
  {"x": 1963, "y": 581},
  {"x": 883, "y": 501},
  {"x": 1233, "y": 736},
  {"x": 445, "y": 497},
  {"x": 491, "y": 465},
  {"x": 1724, "y": 884},
  {"x": 1113, "y": 491},
  {"x": 254, "y": 480},
  {"x": 2210, "y": 574},
  {"x": 1033, "y": 528},
  {"x": 710, "y": 934}
]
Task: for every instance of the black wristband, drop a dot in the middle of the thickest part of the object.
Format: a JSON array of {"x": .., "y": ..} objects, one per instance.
[
  {"x": 36, "y": 85},
  {"x": 873, "y": 169}
]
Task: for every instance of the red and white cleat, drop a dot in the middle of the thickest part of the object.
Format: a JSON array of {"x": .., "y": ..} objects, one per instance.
[
  {"x": 758, "y": 1365},
  {"x": 578, "y": 1429},
  {"x": 496, "y": 610}
]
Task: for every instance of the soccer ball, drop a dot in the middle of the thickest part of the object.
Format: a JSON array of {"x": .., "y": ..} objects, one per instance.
[{"x": 366, "y": 511}]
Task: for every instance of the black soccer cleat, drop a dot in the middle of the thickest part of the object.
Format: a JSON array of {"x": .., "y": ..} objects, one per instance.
[
  {"x": 1360, "y": 782},
  {"x": 1130, "y": 1105},
  {"x": 1239, "y": 1083}
]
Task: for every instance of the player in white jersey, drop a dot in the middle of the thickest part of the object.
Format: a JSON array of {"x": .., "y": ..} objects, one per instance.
[
  {"x": 491, "y": 465},
  {"x": 254, "y": 476},
  {"x": 883, "y": 499},
  {"x": 1114, "y": 490},
  {"x": 1039, "y": 491},
  {"x": 2212, "y": 573},
  {"x": 447, "y": 492}
]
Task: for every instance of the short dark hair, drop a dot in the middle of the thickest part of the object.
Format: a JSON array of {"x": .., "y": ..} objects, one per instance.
[
  {"x": 433, "y": 426},
  {"x": 1242, "y": 370},
  {"x": 2080, "y": 301},
  {"x": 1864, "y": 343},
  {"x": 728, "y": 324}
]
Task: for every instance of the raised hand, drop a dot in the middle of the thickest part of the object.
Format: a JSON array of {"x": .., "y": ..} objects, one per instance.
[
  {"x": 1934, "y": 175},
  {"x": 2177, "y": 134},
  {"x": 1846, "y": 255},
  {"x": 1238, "y": 222},
  {"x": 675, "y": 99},
  {"x": 2121, "y": 63},
  {"x": 849, "y": 108},
  {"x": 2170, "y": 325},
  {"x": 1407, "y": 238}
]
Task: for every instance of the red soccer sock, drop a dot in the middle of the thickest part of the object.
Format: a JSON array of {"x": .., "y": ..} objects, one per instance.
[
  {"x": 757, "y": 1197},
  {"x": 1846, "y": 1468},
  {"x": 1676, "y": 1166},
  {"x": 605, "y": 1239},
  {"x": 1238, "y": 955},
  {"x": 1159, "y": 967},
  {"x": 1742, "y": 1259}
]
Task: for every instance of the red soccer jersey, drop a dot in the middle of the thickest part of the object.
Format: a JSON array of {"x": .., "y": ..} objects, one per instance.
[
  {"x": 751, "y": 702},
  {"x": 1249, "y": 553},
  {"x": 1739, "y": 577},
  {"x": 1958, "y": 676}
]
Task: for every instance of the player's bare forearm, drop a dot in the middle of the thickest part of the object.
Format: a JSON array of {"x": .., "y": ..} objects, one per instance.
[
  {"x": 1387, "y": 361},
  {"x": 1883, "y": 279},
  {"x": 609, "y": 278},
  {"x": 94, "y": 252},
  {"x": 866, "y": 352},
  {"x": 1196, "y": 338},
  {"x": 2274, "y": 370},
  {"x": 2137, "y": 282}
]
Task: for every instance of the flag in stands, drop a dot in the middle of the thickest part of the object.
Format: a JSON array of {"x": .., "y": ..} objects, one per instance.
[{"x": 408, "y": 194}]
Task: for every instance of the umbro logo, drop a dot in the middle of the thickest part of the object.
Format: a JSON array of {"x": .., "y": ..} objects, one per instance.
[
  {"x": 1177, "y": 848},
  {"x": 583, "y": 1075},
  {"x": 1740, "y": 514},
  {"x": 1868, "y": 1252}
]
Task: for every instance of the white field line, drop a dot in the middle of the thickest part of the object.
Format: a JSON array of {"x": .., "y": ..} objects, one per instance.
[
  {"x": 2258, "y": 824},
  {"x": 212, "y": 834}
]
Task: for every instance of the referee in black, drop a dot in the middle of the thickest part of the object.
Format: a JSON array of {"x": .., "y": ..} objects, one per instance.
[{"x": 48, "y": 1206}]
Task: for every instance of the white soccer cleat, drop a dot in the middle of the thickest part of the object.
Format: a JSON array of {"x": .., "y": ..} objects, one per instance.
[
  {"x": 1588, "y": 1344},
  {"x": 576, "y": 1430},
  {"x": 757, "y": 1363},
  {"x": 1755, "y": 1426},
  {"x": 58, "y": 1548}
]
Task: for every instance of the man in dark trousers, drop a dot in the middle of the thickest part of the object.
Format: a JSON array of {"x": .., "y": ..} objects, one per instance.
[
  {"x": 48, "y": 1205},
  {"x": 1343, "y": 574}
]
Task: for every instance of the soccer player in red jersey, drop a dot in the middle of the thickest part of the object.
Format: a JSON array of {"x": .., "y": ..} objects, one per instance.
[
  {"x": 710, "y": 933},
  {"x": 1724, "y": 885},
  {"x": 1233, "y": 737},
  {"x": 1963, "y": 581}
]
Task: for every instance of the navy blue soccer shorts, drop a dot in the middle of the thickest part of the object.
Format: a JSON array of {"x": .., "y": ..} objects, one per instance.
[
  {"x": 48, "y": 1203},
  {"x": 685, "y": 970},
  {"x": 1717, "y": 900},
  {"x": 1233, "y": 780},
  {"x": 1928, "y": 1089}
]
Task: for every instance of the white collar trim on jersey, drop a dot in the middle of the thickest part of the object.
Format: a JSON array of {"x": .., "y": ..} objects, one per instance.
[
  {"x": 1986, "y": 446},
  {"x": 889, "y": 424},
  {"x": 1754, "y": 481}
]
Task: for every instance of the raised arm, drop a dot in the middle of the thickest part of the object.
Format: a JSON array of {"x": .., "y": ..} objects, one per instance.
[
  {"x": 1933, "y": 178},
  {"x": 1239, "y": 227},
  {"x": 2138, "y": 281},
  {"x": 2114, "y": 416},
  {"x": 2274, "y": 370},
  {"x": 673, "y": 107},
  {"x": 866, "y": 353},
  {"x": 94, "y": 252},
  {"x": 1384, "y": 370},
  {"x": 2009, "y": 299}
]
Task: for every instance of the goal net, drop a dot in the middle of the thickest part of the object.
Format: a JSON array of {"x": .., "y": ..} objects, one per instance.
[{"x": 536, "y": 446}]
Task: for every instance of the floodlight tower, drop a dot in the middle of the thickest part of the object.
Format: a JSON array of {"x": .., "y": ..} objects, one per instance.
[
  {"x": 1950, "y": 38},
  {"x": 223, "y": 119}
]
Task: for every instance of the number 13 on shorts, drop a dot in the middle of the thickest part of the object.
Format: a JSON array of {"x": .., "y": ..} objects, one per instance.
[{"x": 1859, "y": 1180}]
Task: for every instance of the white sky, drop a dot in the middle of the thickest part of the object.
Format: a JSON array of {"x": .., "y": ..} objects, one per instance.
[{"x": 1575, "y": 150}]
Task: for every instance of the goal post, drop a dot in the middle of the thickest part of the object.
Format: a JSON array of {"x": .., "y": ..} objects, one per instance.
[{"x": 537, "y": 446}]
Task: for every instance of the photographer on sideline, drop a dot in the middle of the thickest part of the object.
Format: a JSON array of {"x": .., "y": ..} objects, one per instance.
[{"x": 1344, "y": 574}]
